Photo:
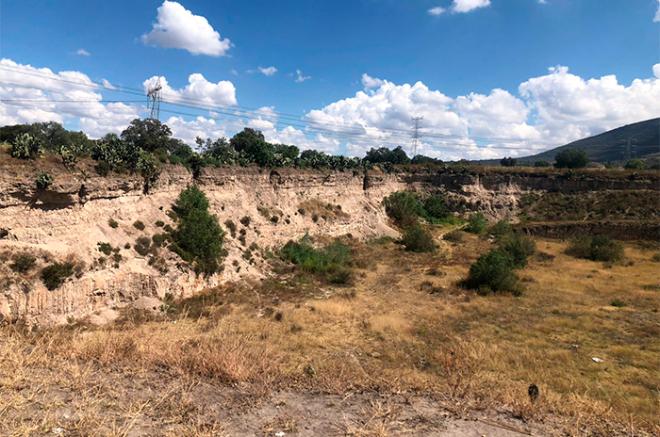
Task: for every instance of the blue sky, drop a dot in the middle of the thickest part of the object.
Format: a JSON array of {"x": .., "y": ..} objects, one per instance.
[{"x": 459, "y": 57}]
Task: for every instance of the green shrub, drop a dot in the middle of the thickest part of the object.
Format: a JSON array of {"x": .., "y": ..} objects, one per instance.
[
  {"x": 23, "y": 262},
  {"x": 500, "y": 229},
  {"x": 598, "y": 248},
  {"x": 541, "y": 164},
  {"x": 25, "y": 146},
  {"x": 159, "y": 239},
  {"x": 417, "y": 239},
  {"x": 519, "y": 248},
  {"x": 330, "y": 262},
  {"x": 404, "y": 208},
  {"x": 159, "y": 223},
  {"x": 43, "y": 181},
  {"x": 618, "y": 303},
  {"x": 142, "y": 245},
  {"x": 104, "y": 248},
  {"x": 435, "y": 208},
  {"x": 635, "y": 164},
  {"x": 571, "y": 158},
  {"x": 492, "y": 273},
  {"x": 55, "y": 274},
  {"x": 476, "y": 223},
  {"x": 198, "y": 237},
  {"x": 113, "y": 223},
  {"x": 245, "y": 221},
  {"x": 139, "y": 225}
]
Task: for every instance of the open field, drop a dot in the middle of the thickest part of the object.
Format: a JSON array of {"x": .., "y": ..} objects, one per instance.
[{"x": 402, "y": 350}]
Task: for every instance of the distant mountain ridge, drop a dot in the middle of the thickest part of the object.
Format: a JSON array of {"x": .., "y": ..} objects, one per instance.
[{"x": 611, "y": 146}]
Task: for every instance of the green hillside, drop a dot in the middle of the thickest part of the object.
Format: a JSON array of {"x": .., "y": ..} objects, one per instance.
[{"x": 612, "y": 145}]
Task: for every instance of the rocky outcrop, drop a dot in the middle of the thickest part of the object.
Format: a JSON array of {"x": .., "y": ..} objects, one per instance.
[{"x": 260, "y": 209}]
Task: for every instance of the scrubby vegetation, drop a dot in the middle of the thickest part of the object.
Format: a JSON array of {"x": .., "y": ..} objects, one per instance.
[
  {"x": 406, "y": 208},
  {"x": 571, "y": 158},
  {"x": 43, "y": 181},
  {"x": 330, "y": 262},
  {"x": 139, "y": 225},
  {"x": 477, "y": 223},
  {"x": 55, "y": 274},
  {"x": 597, "y": 248},
  {"x": 113, "y": 223},
  {"x": 417, "y": 239},
  {"x": 197, "y": 238},
  {"x": 23, "y": 262},
  {"x": 493, "y": 272}
]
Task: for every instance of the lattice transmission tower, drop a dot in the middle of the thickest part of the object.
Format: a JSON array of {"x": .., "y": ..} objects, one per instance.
[{"x": 154, "y": 97}]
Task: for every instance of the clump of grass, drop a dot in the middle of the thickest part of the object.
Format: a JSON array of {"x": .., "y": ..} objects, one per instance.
[
  {"x": 55, "y": 274},
  {"x": 113, "y": 223},
  {"x": 476, "y": 223},
  {"x": 330, "y": 262},
  {"x": 618, "y": 303},
  {"x": 159, "y": 223},
  {"x": 598, "y": 248},
  {"x": 245, "y": 220},
  {"x": 656, "y": 257},
  {"x": 454, "y": 236},
  {"x": 23, "y": 262},
  {"x": 417, "y": 239},
  {"x": 139, "y": 225},
  {"x": 500, "y": 229}
]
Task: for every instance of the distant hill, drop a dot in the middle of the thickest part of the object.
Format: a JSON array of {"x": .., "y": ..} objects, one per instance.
[{"x": 611, "y": 145}]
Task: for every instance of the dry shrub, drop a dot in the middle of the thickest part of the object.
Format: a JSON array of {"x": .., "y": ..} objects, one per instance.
[{"x": 460, "y": 364}]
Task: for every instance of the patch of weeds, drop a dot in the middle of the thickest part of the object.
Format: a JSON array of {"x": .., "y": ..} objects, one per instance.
[
  {"x": 159, "y": 223},
  {"x": 245, "y": 220},
  {"x": 127, "y": 246},
  {"x": 476, "y": 223},
  {"x": 274, "y": 219},
  {"x": 598, "y": 248},
  {"x": 417, "y": 239},
  {"x": 500, "y": 229},
  {"x": 330, "y": 262},
  {"x": 142, "y": 245},
  {"x": 113, "y": 223},
  {"x": 456, "y": 236},
  {"x": 139, "y": 225},
  {"x": 159, "y": 240},
  {"x": 656, "y": 257},
  {"x": 104, "y": 248},
  {"x": 55, "y": 274},
  {"x": 23, "y": 263}
]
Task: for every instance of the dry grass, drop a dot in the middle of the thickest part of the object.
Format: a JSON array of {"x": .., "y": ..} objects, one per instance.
[{"x": 392, "y": 336}]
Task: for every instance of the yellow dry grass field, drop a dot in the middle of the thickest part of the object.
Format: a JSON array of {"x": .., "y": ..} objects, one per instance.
[{"x": 585, "y": 333}]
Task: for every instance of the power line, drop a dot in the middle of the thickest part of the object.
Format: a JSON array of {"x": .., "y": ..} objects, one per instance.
[{"x": 179, "y": 101}]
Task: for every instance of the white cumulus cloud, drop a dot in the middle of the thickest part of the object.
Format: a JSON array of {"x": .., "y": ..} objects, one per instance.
[
  {"x": 178, "y": 28},
  {"x": 82, "y": 52},
  {"x": 199, "y": 90},
  {"x": 40, "y": 95},
  {"x": 462, "y": 6},
  {"x": 656, "y": 19},
  {"x": 369, "y": 82},
  {"x": 300, "y": 77}
]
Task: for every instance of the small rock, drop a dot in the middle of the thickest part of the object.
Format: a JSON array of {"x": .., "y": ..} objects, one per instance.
[
  {"x": 279, "y": 434},
  {"x": 597, "y": 360}
]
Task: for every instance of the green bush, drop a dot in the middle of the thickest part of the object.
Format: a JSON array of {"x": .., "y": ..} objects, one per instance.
[
  {"x": 104, "y": 248},
  {"x": 232, "y": 227},
  {"x": 519, "y": 248},
  {"x": 598, "y": 248},
  {"x": 198, "y": 237},
  {"x": 635, "y": 164},
  {"x": 404, "y": 208},
  {"x": 113, "y": 223},
  {"x": 245, "y": 221},
  {"x": 500, "y": 229},
  {"x": 435, "y": 208},
  {"x": 417, "y": 239},
  {"x": 476, "y": 223},
  {"x": 139, "y": 225},
  {"x": 23, "y": 263},
  {"x": 55, "y": 274},
  {"x": 571, "y": 158},
  {"x": 330, "y": 262},
  {"x": 43, "y": 181},
  {"x": 159, "y": 223},
  {"x": 493, "y": 273},
  {"x": 159, "y": 239}
]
